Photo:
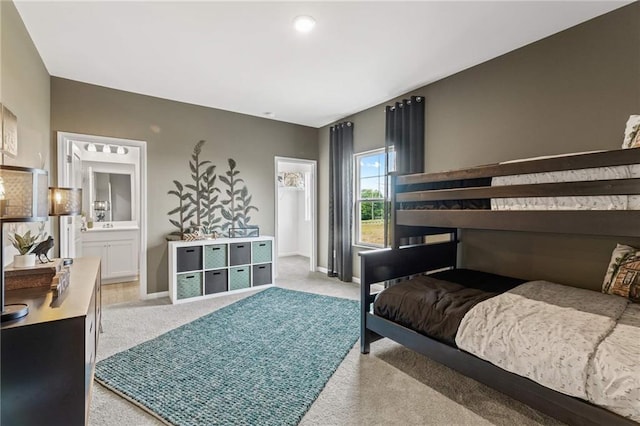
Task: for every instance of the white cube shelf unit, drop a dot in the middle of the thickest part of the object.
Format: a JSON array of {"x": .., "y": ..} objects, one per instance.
[{"x": 210, "y": 268}]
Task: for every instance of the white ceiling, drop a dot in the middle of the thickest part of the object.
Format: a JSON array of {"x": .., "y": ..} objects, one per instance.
[{"x": 246, "y": 57}]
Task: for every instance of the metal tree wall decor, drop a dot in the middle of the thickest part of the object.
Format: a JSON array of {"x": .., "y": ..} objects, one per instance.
[
  {"x": 199, "y": 200},
  {"x": 237, "y": 206}
]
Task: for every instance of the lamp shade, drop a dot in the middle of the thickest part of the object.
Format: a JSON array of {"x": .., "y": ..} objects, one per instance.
[
  {"x": 65, "y": 201},
  {"x": 23, "y": 194}
]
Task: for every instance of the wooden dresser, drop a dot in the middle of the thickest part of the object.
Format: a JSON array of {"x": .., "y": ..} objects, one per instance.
[{"x": 48, "y": 357}]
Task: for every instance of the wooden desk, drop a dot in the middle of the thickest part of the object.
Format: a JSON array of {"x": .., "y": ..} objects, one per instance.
[{"x": 48, "y": 357}]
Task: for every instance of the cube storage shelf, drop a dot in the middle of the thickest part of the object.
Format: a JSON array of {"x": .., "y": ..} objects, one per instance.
[{"x": 210, "y": 268}]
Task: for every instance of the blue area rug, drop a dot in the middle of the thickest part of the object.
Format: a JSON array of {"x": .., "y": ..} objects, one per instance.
[{"x": 260, "y": 361}]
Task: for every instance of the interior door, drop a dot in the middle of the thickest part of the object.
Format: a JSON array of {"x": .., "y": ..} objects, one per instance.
[
  {"x": 70, "y": 233},
  {"x": 76, "y": 221}
]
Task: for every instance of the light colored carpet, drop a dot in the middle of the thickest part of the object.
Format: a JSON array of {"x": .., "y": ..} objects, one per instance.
[{"x": 390, "y": 386}]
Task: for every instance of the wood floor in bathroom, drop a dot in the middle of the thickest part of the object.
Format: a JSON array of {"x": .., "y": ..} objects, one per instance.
[{"x": 120, "y": 292}]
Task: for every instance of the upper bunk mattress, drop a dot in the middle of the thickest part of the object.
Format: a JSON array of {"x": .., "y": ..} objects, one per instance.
[{"x": 602, "y": 202}]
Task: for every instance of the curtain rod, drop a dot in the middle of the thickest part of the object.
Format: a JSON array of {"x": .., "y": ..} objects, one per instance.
[{"x": 401, "y": 104}]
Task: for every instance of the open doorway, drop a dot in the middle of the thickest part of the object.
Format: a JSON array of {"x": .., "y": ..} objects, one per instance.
[
  {"x": 112, "y": 175},
  {"x": 295, "y": 210}
]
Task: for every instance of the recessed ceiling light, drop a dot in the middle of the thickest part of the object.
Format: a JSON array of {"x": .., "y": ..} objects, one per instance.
[{"x": 304, "y": 23}]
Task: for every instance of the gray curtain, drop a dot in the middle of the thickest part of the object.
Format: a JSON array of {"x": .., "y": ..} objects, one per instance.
[
  {"x": 340, "y": 201},
  {"x": 404, "y": 134}
]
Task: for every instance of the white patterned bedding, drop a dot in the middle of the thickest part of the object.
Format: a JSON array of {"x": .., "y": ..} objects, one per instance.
[
  {"x": 613, "y": 381},
  {"x": 606, "y": 202},
  {"x": 579, "y": 342},
  {"x": 543, "y": 331}
]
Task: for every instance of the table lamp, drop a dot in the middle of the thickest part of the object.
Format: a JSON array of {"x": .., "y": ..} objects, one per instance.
[
  {"x": 25, "y": 196},
  {"x": 65, "y": 201},
  {"x": 101, "y": 208}
]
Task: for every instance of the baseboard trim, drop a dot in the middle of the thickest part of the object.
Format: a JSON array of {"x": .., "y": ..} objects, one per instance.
[
  {"x": 293, "y": 253},
  {"x": 287, "y": 254},
  {"x": 119, "y": 280},
  {"x": 157, "y": 295},
  {"x": 325, "y": 270}
]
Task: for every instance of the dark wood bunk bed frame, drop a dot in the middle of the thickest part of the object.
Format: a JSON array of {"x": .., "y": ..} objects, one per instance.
[{"x": 384, "y": 265}]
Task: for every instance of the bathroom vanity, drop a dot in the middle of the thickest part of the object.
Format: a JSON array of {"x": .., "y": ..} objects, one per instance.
[{"x": 117, "y": 246}]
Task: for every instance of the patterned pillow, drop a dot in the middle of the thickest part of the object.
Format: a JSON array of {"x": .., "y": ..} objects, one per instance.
[
  {"x": 623, "y": 275},
  {"x": 632, "y": 133}
]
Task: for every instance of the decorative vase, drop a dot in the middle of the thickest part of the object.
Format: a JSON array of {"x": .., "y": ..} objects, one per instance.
[{"x": 24, "y": 260}]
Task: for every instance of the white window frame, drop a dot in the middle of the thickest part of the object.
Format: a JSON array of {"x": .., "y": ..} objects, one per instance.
[{"x": 357, "y": 200}]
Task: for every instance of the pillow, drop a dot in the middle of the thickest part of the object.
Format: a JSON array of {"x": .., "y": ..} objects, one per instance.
[
  {"x": 623, "y": 275},
  {"x": 632, "y": 133}
]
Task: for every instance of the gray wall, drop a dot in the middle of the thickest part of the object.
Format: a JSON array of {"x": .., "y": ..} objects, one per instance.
[
  {"x": 570, "y": 92},
  {"x": 171, "y": 129},
  {"x": 25, "y": 90},
  {"x": 1, "y": 26}
]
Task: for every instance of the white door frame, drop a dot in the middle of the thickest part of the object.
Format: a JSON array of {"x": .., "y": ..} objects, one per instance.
[
  {"x": 314, "y": 209},
  {"x": 64, "y": 138}
]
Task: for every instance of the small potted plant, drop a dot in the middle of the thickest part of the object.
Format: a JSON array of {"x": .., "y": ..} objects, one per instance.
[
  {"x": 24, "y": 244},
  {"x": 208, "y": 231}
]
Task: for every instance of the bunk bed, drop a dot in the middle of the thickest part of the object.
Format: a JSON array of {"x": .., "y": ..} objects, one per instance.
[{"x": 430, "y": 204}]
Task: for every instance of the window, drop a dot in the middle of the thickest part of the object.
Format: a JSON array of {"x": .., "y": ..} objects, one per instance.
[{"x": 371, "y": 190}]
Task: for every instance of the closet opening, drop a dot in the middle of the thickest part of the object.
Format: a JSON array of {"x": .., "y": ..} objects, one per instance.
[{"x": 295, "y": 213}]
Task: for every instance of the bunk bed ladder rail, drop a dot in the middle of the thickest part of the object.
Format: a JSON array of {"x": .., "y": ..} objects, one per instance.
[{"x": 379, "y": 266}]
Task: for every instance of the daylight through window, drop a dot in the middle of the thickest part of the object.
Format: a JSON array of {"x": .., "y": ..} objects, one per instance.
[{"x": 371, "y": 189}]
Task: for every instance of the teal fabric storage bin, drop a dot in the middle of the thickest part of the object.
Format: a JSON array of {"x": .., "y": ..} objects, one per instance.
[
  {"x": 189, "y": 285},
  {"x": 215, "y": 256},
  {"x": 239, "y": 277},
  {"x": 261, "y": 251}
]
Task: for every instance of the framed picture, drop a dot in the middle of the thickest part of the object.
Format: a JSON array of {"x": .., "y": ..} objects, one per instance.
[{"x": 9, "y": 133}]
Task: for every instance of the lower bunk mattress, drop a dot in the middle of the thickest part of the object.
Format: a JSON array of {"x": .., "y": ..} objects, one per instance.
[{"x": 579, "y": 342}]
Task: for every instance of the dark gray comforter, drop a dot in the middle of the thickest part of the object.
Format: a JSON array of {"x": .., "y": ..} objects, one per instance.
[{"x": 435, "y": 307}]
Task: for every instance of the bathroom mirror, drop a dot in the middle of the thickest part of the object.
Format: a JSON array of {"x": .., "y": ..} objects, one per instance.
[{"x": 112, "y": 201}]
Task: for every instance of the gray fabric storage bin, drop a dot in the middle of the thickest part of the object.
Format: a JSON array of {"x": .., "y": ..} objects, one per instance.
[
  {"x": 239, "y": 253},
  {"x": 215, "y": 281},
  {"x": 189, "y": 258},
  {"x": 261, "y": 274}
]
